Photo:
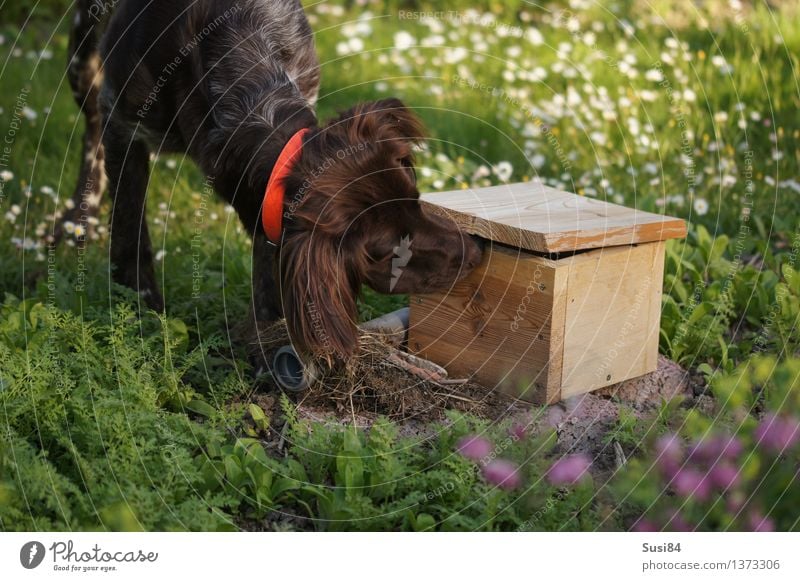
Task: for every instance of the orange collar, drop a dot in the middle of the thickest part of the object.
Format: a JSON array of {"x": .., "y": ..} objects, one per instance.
[{"x": 272, "y": 208}]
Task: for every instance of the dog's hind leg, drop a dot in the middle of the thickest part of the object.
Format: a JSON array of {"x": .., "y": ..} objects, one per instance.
[
  {"x": 85, "y": 76},
  {"x": 128, "y": 168}
]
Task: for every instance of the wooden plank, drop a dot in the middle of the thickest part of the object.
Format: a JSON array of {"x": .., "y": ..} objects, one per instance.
[
  {"x": 542, "y": 219},
  {"x": 612, "y": 317},
  {"x": 497, "y": 325}
]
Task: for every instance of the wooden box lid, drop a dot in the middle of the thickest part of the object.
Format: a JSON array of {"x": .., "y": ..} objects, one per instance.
[{"x": 542, "y": 219}]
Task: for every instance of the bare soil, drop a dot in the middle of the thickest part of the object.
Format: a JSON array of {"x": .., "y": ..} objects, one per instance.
[{"x": 372, "y": 387}]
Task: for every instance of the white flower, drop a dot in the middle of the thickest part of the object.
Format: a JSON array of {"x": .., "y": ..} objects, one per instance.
[
  {"x": 160, "y": 255},
  {"x": 482, "y": 172},
  {"x": 534, "y": 36},
  {"x": 701, "y": 206},
  {"x": 16, "y": 210},
  {"x": 69, "y": 227},
  {"x": 689, "y": 95},
  {"x": 648, "y": 96},
  {"x": 455, "y": 55},
  {"x": 6, "y": 175},
  {"x": 47, "y": 190},
  {"x": 342, "y": 48},
  {"x": 80, "y": 231},
  {"x": 356, "y": 44},
  {"x": 538, "y": 161},
  {"x": 538, "y": 74},
  {"x": 404, "y": 40},
  {"x": 69, "y": 204},
  {"x": 171, "y": 164},
  {"x": 503, "y": 170},
  {"x": 29, "y": 113},
  {"x": 654, "y": 75}
]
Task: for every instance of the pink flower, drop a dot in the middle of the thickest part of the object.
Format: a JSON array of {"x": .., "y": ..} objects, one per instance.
[
  {"x": 474, "y": 447},
  {"x": 645, "y": 526},
  {"x": 759, "y": 523},
  {"x": 518, "y": 431},
  {"x": 692, "y": 483},
  {"x": 568, "y": 470},
  {"x": 670, "y": 454},
  {"x": 777, "y": 433},
  {"x": 502, "y": 473},
  {"x": 724, "y": 476},
  {"x": 716, "y": 448},
  {"x": 678, "y": 523}
]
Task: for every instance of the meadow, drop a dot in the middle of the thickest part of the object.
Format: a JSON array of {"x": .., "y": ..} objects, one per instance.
[{"x": 117, "y": 418}]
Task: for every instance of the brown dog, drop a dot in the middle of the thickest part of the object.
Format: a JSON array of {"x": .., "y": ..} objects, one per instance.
[{"x": 233, "y": 85}]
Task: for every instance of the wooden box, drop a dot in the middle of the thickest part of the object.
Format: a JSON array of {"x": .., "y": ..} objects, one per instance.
[{"x": 567, "y": 299}]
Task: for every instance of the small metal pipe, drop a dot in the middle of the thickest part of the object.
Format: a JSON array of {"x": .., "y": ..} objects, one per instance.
[{"x": 293, "y": 375}]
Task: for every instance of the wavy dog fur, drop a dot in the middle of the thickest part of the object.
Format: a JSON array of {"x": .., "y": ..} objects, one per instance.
[{"x": 228, "y": 83}]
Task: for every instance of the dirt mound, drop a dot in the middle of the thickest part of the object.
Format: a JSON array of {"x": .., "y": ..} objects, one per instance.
[{"x": 373, "y": 385}]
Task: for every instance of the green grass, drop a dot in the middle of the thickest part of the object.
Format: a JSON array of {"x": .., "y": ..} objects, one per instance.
[{"x": 87, "y": 389}]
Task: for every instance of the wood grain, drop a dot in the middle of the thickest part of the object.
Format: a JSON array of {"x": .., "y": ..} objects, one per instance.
[
  {"x": 542, "y": 219},
  {"x": 499, "y": 325},
  {"x": 613, "y": 316}
]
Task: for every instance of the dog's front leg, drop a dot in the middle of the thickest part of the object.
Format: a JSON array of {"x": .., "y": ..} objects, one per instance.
[
  {"x": 128, "y": 168},
  {"x": 266, "y": 299}
]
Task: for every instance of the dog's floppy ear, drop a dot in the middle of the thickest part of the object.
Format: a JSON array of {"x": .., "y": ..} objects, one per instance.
[
  {"x": 319, "y": 296},
  {"x": 385, "y": 119}
]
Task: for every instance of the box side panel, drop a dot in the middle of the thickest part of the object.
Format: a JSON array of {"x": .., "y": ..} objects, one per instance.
[
  {"x": 613, "y": 315},
  {"x": 494, "y": 325}
]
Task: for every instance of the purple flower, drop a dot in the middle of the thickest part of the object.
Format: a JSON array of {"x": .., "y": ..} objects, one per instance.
[
  {"x": 669, "y": 445},
  {"x": 518, "y": 431},
  {"x": 724, "y": 476},
  {"x": 645, "y": 526},
  {"x": 502, "y": 473},
  {"x": 716, "y": 448},
  {"x": 689, "y": 482},
  {"x": 730, "y": 447},
  {"x": 568, "y": 470},
  {"x": 678, "y": 523},
  {"x": 474, "y": 447},
  {"x": 777, "y": 433},
  {"x": 670, "y": 454},
  {"x": 759, "y": 523}
]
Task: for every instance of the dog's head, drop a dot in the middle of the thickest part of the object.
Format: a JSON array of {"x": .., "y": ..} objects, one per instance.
[{"x": 353, "y": 216}]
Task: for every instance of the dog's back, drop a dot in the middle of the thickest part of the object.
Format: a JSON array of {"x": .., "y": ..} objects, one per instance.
[
  {"x": 178, "y": 70},
  {"x": 170, "y": 60}
]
